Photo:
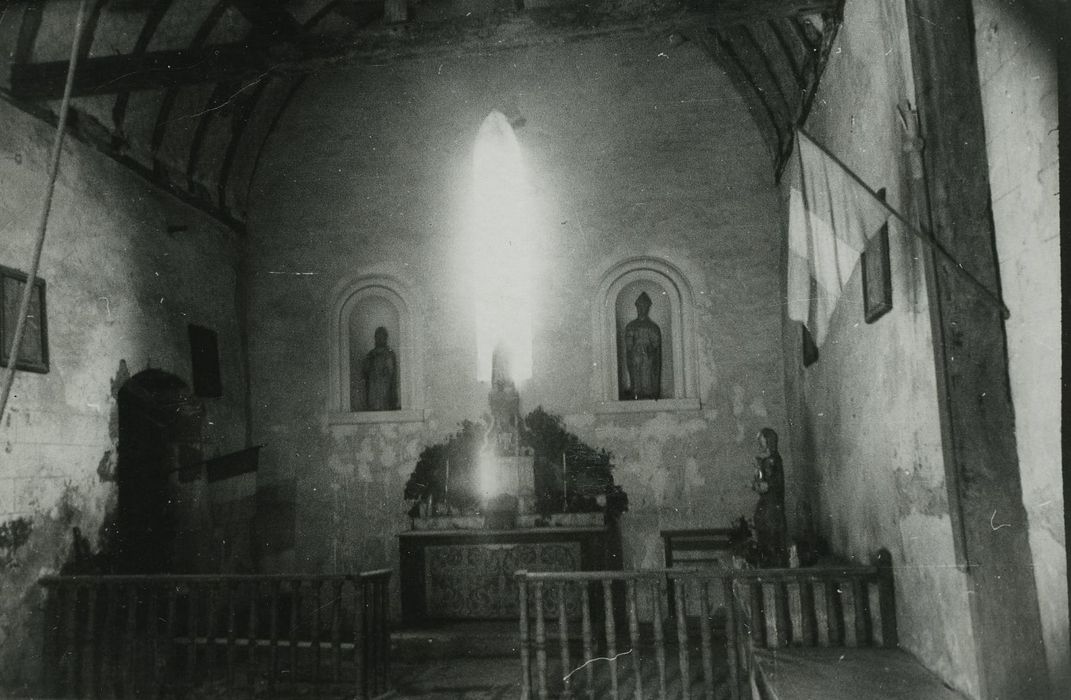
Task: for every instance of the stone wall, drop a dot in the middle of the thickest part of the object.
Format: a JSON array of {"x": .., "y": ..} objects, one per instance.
[
  {"x": 121, "y": 290},
  {"x": 635, "y": 147},
  {"x": 865, "y": 416},
  {"x": 1017, "y": 68}
]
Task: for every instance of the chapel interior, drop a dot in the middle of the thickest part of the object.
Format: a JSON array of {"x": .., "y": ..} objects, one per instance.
[{"x": 344, "y": 312}]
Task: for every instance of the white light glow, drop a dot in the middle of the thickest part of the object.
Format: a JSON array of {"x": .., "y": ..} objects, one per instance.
[{"x": 501, "y": 255}]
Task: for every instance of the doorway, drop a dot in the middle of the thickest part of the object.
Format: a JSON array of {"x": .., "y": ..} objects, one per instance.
[{"x": 159, "y": 431}]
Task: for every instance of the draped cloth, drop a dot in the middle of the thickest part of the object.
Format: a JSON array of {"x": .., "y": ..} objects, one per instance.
[{"x": 831, "y": 218}]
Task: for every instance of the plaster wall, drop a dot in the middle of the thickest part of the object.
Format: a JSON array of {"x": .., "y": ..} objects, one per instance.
[
  {"x": 634, "y": 147},
  {"x": 865, "y": 416},
  {"x": 1017, "y": 70},
  {"x": 120, "y": 293}
]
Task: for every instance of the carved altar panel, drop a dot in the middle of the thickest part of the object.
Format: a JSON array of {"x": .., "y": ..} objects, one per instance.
[
  {"x": 477, "y": 581},
  {"x": 469, "y": 574}
]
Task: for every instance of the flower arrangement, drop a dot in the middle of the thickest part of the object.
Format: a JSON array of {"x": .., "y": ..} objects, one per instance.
[{"x": 570, "y": 476}]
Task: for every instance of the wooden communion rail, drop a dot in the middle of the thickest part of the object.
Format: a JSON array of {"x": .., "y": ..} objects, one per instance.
[
  {"x": 614, "y": 633},
  {"x": 223, "y": 635}
]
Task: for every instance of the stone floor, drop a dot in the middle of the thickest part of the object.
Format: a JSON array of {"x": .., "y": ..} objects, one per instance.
[
  {"x": 459, "y": 679},
  {"x": 459, "y": 661}
]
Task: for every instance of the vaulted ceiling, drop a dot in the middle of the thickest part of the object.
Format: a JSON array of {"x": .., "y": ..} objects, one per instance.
[{"x": 187, "y": 92}]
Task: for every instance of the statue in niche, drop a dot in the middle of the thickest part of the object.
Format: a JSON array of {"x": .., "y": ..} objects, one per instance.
[
  {"x": 643, "y": 354},
  {"x": 380, "y": 370},
  {"x": 769, "y": 483}
]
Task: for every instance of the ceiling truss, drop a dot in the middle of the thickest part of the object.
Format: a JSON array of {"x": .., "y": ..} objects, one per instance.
[{"x": 191, "y": 103}]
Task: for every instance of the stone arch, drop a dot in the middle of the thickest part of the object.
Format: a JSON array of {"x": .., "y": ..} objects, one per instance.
[
  {"x": 360, "y": 308},
  {"x": 672, "y": 310}
]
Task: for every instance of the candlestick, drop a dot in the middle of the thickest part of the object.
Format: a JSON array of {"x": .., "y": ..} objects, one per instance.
[{"x": 565, "y": 484}]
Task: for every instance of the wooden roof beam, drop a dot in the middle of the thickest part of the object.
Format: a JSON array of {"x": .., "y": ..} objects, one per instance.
[
  {"x": 269, "y": 19},
  {"x": 730, "y": 12},
  {"x": 106, "y": 75}
]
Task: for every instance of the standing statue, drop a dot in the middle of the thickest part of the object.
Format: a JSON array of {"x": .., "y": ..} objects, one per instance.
[
  {"x": 643, "y": 353},
  {"x": 380, "y": 370},
  {"x": 769, "y": 483}
]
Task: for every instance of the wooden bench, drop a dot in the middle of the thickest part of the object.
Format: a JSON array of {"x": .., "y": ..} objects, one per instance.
[
  {"x": 825, "y": 631},
  {"x": 696, "y": 549}
]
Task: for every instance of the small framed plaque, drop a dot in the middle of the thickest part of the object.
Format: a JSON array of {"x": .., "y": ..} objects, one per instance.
[
  {"x": 810, "y": 349},
  {"x": 33, "y": 354}
]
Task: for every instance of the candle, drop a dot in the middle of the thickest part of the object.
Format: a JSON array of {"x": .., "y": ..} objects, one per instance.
[{"x": 565, "y": 484}]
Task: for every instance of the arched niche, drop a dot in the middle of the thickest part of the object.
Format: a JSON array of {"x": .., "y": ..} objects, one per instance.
[
  {"x": 360, "y": 309},
  {"x": 671, "y": 310}
]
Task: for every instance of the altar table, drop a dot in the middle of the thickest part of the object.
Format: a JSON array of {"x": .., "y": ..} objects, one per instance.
[{"x": 468, "y": 574}]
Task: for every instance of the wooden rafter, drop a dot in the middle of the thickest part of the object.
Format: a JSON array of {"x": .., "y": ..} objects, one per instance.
[
  {"x": 32, "y": 17},
  {"x": 791, "y": 53},
  {"x": 779, "y": 86},
  {"x": 148, "y": 30},
  {"x": 729, "y": 12},
  {"x": 269, "y": 19},
  {"x": 104, "y": 75}
]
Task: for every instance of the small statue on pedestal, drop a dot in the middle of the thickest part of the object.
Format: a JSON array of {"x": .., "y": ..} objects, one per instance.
[{"x": 769, "y": 483}]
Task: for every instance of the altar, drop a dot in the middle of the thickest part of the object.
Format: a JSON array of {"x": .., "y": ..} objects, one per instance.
[
  {"x": 480, "y": 513},
  {"x": 467, "y": 574}
]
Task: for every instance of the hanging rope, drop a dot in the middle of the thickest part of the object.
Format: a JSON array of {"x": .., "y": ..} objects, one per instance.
[{"x": 42, "y": 224}]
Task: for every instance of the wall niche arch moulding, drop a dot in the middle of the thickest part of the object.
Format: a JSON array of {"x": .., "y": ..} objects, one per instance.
[
  {"x": 360, "y": 307},
  {"x": 672, "y": 309}
]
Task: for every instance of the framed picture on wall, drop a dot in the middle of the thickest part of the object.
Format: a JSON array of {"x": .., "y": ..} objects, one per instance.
[
  {"x": 33, "y": 355},
  {"x": 204, "y": 361},
  {"x": 877, "y": 276},
  {"x": 810, "y": 350}
]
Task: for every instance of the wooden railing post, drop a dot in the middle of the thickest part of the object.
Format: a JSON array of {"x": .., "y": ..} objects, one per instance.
[
  {"x": 540, "y": 640},
  {"x": 231, "y": 623},
  {"x": 252, "y": 637},
  {"x": 384, "y": 637},
  {"x": 360, "y": 626},
  {"x": 210, "y": 630},
  {"x": 611, "y": 634},
  {"x": 681, "y": 604},
  {"x": 522, "y": 600},
  {"x": 315, "y": 639},
  {"x": 50, "y": 643},
  {"x": 887, "y": 598},
  {"x": 130, "y": 637},
  {"x": 563, "y": 639},
  {"x": 634, "y": 637},
  {"x": 705, "y": 644},
  {"x": 588, "y": 639},
  {"x": 90, "y": 664},
  {"x": 658, "y": 595},
  {"x": 70, "y": 640},
  {"x": 152, "y": 630},
  {"x": 732, "y": 651},
  {"x": 116, "y": 635},
  {"x": 191, "y": 634},
  {"x": 295, "y": 606},
  {"x": 169, "y": 653},
  {"x": 336, "y": 630}
]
